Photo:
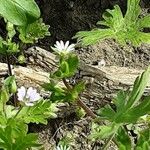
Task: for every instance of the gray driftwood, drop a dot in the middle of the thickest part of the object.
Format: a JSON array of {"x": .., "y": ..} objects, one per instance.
[{"x": 102, "y": 82}]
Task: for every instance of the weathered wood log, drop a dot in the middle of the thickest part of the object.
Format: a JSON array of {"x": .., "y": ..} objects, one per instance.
[{"x": 102, "y": 82}]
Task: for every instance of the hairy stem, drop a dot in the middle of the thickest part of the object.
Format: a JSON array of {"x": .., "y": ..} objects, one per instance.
[{"x": 80, "y": 103}]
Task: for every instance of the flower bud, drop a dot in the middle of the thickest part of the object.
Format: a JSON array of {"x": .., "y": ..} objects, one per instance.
[
  {"x": 13, "y": 87},
  {"x": 21, "y": 59}
]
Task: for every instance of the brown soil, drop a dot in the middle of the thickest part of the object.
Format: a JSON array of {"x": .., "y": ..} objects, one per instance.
[{"x": 67, "y": 17}]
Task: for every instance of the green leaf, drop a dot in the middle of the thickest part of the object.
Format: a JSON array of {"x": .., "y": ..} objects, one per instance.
[
  {"x": 73, "y": 94},
  {"x": 138, "y": 88},
  {"x": 134, "y": 114},
  {"x": 92, "y": 37},
  {"x": 102, "y": 132},
  {"x": 143, "y": 142},
  {"x": 19, "y": 12},
  {"x": 34, "y": 31},
  {"x": 120, "y": 100},
  {"x": 10, "y": 84},
  {"x": 67, "y": 67},
  {"x": 4, "y": 95},
  {"x": 107, "y": 113},
  {"x": 28, "y": 141},
  {"x": 123, "y": 140},
  {"x": 39, "y": 113},
  {"x": 124, "y": 29},
  {"x": 144, "y": 22}
]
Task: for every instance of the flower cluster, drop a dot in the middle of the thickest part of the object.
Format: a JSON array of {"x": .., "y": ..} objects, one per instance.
[{"x": 29, "y": 96}]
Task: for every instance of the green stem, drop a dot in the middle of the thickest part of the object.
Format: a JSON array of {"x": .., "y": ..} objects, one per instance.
[
  {"x": 80, "y": 103},
  {"x": 9, "y": 66},
  {"x": 107, "y": 142},
  {"x": 18, "y": 112},
  {"x": 10, "y": 74}
]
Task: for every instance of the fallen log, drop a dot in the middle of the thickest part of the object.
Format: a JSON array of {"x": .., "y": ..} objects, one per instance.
[{"x": 102, "y": 82}]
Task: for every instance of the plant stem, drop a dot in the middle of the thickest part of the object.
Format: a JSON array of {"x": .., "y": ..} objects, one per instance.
[
  {"x": 18, "y": 112},
  {"x": 10, "y": 74},
  {"x": 9, "y": 66},
  {"x": 107, "y": 142},
  {"x": 80, "y": 103}
]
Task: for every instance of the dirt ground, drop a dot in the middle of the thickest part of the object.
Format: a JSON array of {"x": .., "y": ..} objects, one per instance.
[{"x": 66, "y": 17}]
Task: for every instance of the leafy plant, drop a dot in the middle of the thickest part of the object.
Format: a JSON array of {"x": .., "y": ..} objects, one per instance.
[
  {"x": 14, "y": 121},
  {"x": 19, "y": 12},
  {"x": 129, "y": 109},
  {"x": 124, "y": 29}
]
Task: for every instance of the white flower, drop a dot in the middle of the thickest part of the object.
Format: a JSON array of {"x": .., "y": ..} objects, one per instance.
[
  {"x": 61, "y": 47},
  {"x": 28, "y": 97},
  {"x": 60, "y": 147}
]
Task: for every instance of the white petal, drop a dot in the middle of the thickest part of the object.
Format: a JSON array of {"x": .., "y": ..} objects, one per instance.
[
  {"x": 62, "y": 45},
  {"x": 21, "y": 93},
  {"x": 66, "y": 45},
  {"x": 29, "y": 104},
  {"x": 58, "y": 46},
  {"x": 71, "y": 47},
  {"x": 30, "y": 91},
  {"x": 35, "y": 97}
]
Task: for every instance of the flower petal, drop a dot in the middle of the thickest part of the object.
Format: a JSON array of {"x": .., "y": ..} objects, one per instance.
[
  {"x": 21, "y": 93},
  {"x": 29, "y": 104},
  {"x": 71, "y": 47},
  {"x": 62, "y": 45},
  {"x": 66, "y": 45}
]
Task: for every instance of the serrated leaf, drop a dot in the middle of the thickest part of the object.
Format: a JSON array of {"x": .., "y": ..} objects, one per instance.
[
  {"x": 143, "y": 142},
  {"x": 138, "y": 88},
  {"x": 123, "y": 140},
  {"x": 92, "y": 37},
  {"x": 120, "y": 100},
  {"x": 134, "y": 114},
  {"x": 107, "y": 113},
  {"x": 32, "y": 32},
  {"x": 102, "y": 132},
  {"x": 124, "y": 29},
  {"x": 39, "y": 113},
  {"x": 144, "y": 22},
  {"x": 133, "y": 11},
  {"x": 19, "y": 12}
]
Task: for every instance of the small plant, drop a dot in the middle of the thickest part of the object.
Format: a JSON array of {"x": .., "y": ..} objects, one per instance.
[
  {"x": 124, "y": 29},
  {"x": 68, "y": 63},
  {"x": 129, "y": 108},
  {"x": 22, "y": 17},
  {"x": 14, "y": 120}
]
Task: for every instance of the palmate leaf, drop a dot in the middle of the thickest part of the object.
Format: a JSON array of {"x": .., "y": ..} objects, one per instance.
[
  {"x": 127, "y": 104},
  {"x": 124, "y": 29},
  {"x": 39, "y": 113},
  {"x": 143, "y": 142},
  {"x": 20, "y": 142},
  {"x": 133, "y": 11},
  {"x": 92, "y": 37},
  {"x": 34, "y": 31},
  {"x": 123, "y": 140},
  {"x": 19, "y": 12},
  {"x": 144, "y": 22},
  {"x": 136, "y": 112},
  {"x": 102, "y": 132}
]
